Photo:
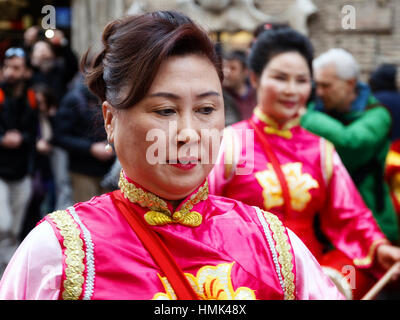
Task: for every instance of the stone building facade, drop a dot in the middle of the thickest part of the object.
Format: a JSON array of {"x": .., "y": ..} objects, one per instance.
[{"x": 373, "y": 39}]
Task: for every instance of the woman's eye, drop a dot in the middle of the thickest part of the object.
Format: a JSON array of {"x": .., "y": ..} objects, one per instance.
[
  {"x": 302, "y": 80},
  {"x": 165, "y": 112},
  {"x": 205, "y": 110},
  {"x": 281, "y": 78}
]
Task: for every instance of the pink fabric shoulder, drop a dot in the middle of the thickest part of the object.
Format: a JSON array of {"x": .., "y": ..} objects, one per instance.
[{"x": 34, "y": 272}]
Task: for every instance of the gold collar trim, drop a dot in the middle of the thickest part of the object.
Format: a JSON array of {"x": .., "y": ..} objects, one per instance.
[
  {"x": 159, "y": 213},
  {"x": 273, "y": 127}
]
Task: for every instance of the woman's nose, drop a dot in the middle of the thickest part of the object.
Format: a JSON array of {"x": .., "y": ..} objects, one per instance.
[
  {"x": 290, "y": 87},
  {"x": 187, "y": 130}
]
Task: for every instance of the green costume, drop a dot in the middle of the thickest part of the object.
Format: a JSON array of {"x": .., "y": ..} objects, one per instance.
[{"x": 361, "y": 137}]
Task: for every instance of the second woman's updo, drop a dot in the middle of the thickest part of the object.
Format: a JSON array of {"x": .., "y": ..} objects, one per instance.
[
  {"x": 134, "y": 48},
  {"x": 272, "y": 42}
]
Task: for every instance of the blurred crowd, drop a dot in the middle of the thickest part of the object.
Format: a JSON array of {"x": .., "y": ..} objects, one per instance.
[
  {"x": 52, "y": 139},
  {"x": 53, "y": 143}
]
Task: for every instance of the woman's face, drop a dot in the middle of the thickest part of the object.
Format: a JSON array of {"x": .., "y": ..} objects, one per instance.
[
  {"x": 163, "y": 142},
  {"x": 284, "y": 86}
]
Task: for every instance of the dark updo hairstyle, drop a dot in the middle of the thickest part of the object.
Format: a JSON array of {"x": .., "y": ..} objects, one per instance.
[
  {"x": 134, "y": 48},
  {"x": 272, "y": 42}
]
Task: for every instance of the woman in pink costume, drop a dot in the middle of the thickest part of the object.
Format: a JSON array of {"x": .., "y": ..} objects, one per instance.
[
  {"x": 295, "y": 174},
  {"x": 160, "y": 82}
]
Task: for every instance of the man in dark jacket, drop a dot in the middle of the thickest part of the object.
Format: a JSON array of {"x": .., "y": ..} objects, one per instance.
[
  {"x": 18, "y": 128},
  {"x": 80, "y": 131},
  {"x": 383, "y": 85}
]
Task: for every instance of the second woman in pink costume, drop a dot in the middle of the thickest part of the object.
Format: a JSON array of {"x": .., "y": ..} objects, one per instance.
[{"x": 295, "y": 174}]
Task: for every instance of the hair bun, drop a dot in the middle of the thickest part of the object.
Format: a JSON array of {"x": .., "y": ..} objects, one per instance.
[
  {"x": 92, "y": 67},
  {"x": 109, "y": 30}
]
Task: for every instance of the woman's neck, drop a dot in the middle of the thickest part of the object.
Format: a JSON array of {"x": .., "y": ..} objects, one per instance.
[
  {"x": 175, "y": 203},
  {"x": 273, "y": 121}
]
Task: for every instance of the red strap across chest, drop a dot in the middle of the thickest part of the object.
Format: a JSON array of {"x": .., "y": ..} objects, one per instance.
[
  {"x": 276, "y": 166},
  {"x": 157, "y": 250}
]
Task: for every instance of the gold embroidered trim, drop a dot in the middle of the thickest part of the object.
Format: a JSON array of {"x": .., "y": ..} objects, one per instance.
[
  {"x": 285, "y": 256},
  {"x": 393, "y": 158},
  {"x": 159, "y": 213},
  {"x": 282, "y": 133},
  {"x": 139, "y": 196},
  {"x": 273, "y": 127},
  {"x": 210, "y": 283},
  {"x": 191, "y": 219},
  {"x": 371, "y": 252},
  {"x": 74, "y": 254},
  {"x": 395, "y": 186},
  {"x": 328, "y": 160}
]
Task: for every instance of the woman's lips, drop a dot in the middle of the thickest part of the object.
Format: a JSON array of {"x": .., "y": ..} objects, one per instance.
[
  {"x": 288, "y": 104},
  {"x": 183, "y": 166},
  {"x": 184, "y": 163}
]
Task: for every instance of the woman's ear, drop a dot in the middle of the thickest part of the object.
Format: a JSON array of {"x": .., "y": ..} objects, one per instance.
[
  {"x": 254, "y": 80},
  {"x": 109, "y": 120}
]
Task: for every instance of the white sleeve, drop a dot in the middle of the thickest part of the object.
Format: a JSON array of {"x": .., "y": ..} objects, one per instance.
[
  {"x": 311, "y": 282},
  {"x": 35, "y": 270}
]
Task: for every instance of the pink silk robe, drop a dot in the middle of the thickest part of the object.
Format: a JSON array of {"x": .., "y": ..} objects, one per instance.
[
  {"x": 317, "y": 180},
  {"x": 89, "y": 251}
]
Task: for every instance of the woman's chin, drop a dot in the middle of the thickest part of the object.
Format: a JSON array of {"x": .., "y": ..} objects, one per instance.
[
  {"x": 172, "y": 183},
  {"x": 287, "y": 116},
  {"x": 178, "y": 191},
  {"x": 181, "y": 187}
]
